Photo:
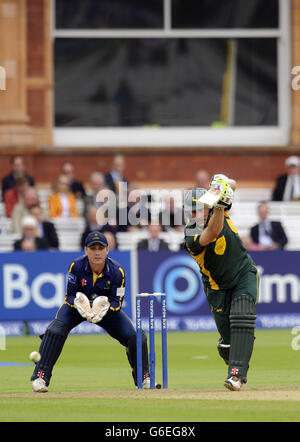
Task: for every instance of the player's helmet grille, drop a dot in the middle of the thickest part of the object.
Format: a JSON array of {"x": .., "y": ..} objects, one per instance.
[{"x": 191, "y": 198}]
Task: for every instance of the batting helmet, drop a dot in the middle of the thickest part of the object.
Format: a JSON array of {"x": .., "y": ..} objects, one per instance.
[{"x": 191, "y": 198}]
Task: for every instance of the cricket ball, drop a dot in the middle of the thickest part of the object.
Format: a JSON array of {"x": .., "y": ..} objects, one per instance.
[{"x": 35, "y": 356}]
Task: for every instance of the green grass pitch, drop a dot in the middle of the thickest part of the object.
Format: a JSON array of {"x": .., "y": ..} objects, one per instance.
[{"x": 92, "y": 382}]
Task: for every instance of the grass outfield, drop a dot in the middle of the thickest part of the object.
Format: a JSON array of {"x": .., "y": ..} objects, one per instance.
[{"x": 92, "y": 382}]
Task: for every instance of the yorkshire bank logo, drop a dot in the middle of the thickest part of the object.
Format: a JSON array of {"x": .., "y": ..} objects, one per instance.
[{"x": 2, "y": 79}]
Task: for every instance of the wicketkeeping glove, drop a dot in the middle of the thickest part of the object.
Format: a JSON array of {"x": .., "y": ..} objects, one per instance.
[
  {"x": 100, "y": 307},
  {"x": 83, "y": 307}
]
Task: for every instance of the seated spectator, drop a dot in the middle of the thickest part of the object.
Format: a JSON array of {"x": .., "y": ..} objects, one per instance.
[
  {"x": 153, "y": 243},
  {"x": 287, "y": 186},
  {"x": 62, "y": 202},
  {"x": 30, "y": 241},
  {"x": 15, "y": 195},
  {"x": 45, "y": 229},
  {"x": 202, "y": 178},
  {"x": 93, "y": 223},
  {"x": 138, "y": 212},
  {"x": 96, "y": 184},
  {"x": 21, "y": 209},
  {"x": 111, "y": 239},
  {"x": 267, "y": 235},
  {"x": 171, "y": 217},
  {"x": 18, "y": 170},
  {"x": 116, "y": 175},
  {"x": 76, "y": 186}
]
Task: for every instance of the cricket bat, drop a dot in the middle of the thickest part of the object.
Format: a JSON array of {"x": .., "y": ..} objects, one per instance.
[{"x": 212, "y": 196}]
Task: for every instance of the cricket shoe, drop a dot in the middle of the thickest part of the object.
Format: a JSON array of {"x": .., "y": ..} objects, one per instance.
[
  {"x": 39, "y": 386},
  {"x": 146, "y": 382},
  {"x": 233, "y": 384}
]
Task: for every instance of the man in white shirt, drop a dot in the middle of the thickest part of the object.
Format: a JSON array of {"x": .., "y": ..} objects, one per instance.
[
  {"x": 288, "y": 185},
  {"x": 267, "y": 235}
]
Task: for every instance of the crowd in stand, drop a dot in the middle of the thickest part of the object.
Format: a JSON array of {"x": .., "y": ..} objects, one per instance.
[{"x": 68, "y": 198}]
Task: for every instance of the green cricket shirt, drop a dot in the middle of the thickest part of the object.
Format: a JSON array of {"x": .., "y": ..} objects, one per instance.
[{"x": 223, "y": 260}]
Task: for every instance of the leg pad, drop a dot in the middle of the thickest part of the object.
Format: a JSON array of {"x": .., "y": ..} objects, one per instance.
[
  {"x": 131, "y": 354},
  {"x": 51, "y": 346},
  {"x": 242, "y": 326}
]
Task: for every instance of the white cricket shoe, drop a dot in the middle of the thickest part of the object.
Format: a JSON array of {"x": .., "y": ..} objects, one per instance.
[
  {"x": 146, "y": 383},
  {"x": 233, "y": 384},
  {"x": 39, "y": 386}
]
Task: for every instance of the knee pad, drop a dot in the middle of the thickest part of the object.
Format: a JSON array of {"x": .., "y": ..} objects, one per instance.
[{"x": 57, "y": 327}]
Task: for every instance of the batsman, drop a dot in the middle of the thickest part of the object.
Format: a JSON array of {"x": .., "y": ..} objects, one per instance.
[
  {"x": 229, "y": 275},
  {"x": 95, "y": 291}
]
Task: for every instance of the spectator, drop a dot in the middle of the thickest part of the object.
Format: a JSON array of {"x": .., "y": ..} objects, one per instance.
[
  {"x": 76, "y": 186},
  {"x": 116, "y": 175},
  {"x": 21, "y": 209},
  {"x": 138, "y": 212},
  {"x": 267, "y": 235},
  {"x": 287, "y": 186},
  {"x": 171, "y": 216},
  {"x": 45, "y": 229},
  {"x": 62, "y": 202},
  {"x": 93, "y": 224},
  {"x": 111, "y": 239},
  {"x": 153, "y": 243},
  {"x": 15, "y": 195},
  {"x": 202, "y": 179},
  {"x": 30, "y": 241},
  {"x": 18, "y": 170},
  {"x": 96, "y": 184}
]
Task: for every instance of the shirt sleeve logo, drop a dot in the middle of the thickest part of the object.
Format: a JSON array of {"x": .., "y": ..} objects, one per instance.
[{"x": 71, "y": 278}]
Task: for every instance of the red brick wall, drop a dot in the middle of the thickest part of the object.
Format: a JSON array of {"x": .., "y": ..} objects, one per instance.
[
  {"x": 36, "y": 107},
  {"x": 35, "y": 38},
  {"x": 36, "y": 62},
  {"x": 250, "y": 167}
]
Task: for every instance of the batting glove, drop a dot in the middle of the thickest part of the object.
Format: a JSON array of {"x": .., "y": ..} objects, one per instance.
[{"x": 226, "y": 198}]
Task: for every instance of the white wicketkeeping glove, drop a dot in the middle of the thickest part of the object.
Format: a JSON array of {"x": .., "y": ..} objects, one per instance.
[
  {"x": 83, "y": 306},
  {"x": 100, "y": 307}
]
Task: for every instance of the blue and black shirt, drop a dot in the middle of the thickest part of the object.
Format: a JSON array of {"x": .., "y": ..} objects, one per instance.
[{"x": 110, "y": 283}]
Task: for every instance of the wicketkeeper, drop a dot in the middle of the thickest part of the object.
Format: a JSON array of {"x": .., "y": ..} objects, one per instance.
[
  {"x": 95, "y": 291},
  {"x": 229, "y": 275}
]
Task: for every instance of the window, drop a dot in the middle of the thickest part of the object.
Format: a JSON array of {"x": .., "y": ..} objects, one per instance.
[
  {"x": 155, "y": 72},
  {"x": 109, "y": 14},
  {"x": 247, "y": 14}
]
